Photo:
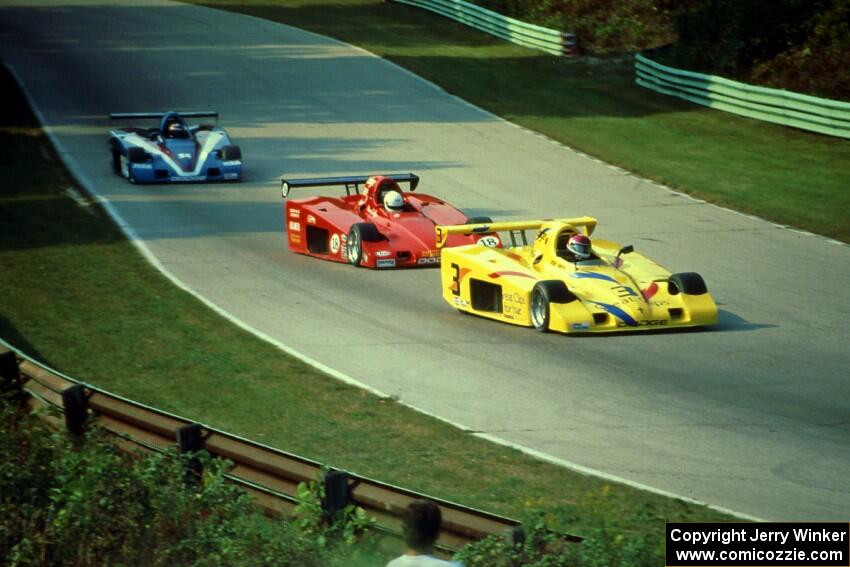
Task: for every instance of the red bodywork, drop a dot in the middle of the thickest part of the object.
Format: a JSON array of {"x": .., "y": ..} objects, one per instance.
[{"x": 319, "y": 226}]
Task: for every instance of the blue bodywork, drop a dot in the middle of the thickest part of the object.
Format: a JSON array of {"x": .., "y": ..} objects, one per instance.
[{"x": 174, "y": 151}]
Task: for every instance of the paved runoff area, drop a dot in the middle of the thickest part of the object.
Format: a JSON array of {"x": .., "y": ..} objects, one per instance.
[{"x": 752, "y": 415}]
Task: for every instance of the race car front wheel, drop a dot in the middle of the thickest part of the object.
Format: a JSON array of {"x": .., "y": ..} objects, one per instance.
[
  {"x": 231, "y": 153},
  {"x": 354, "y": 246},
  {"x": 544, "y": 294},
  {"x": 354, "y": 241}
]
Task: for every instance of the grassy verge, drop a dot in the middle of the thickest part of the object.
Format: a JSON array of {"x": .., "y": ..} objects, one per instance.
[
  {"x": 76, "y": 294},
  {"x": 788, "y": 176}
]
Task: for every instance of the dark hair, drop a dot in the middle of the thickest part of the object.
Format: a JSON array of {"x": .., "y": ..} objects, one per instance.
[{"x": 422, "y": 521}]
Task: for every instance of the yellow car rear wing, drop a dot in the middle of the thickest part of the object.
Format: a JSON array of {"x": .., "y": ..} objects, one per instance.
[{"x": 443, "y": 232}]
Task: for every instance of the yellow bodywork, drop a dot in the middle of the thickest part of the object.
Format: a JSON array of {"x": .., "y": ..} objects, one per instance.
[{"x": 613, "y": 291}]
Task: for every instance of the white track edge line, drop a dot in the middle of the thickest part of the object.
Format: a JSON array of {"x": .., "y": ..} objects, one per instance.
[{"x": 88, "y": 185}]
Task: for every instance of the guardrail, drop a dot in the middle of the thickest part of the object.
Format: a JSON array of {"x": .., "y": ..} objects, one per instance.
[
  {"x": 788, "y": 108},
  {"x": 269, "y": 475},
  {"x": 509, "y": 29}
]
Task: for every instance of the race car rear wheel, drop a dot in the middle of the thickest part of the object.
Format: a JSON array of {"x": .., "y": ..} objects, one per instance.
[
  {"x": 544, "y": 294},
  {"x": 689, "y": 283}
]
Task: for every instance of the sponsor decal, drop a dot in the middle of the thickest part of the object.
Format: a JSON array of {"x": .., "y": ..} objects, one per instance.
[
  {"x": 424, "y": 261},
  {"x": 189, "y": 178},
  {"x": 489, "y": 241},
  {"x": 580, "y": 326},
  {"x": 383, "y": 253},
  {"x": 295, "y": 238},
  {"x": 293, "y": 225},
  {"x": 184, "y": 156},
  {"x": 335, "y": 243},
  {"x": 311, "y": 219},
  {"x": 295, "y": 213},
  {"x": 512, "y": 304},
  {"x": 386, "y": 263},
  {"x": 430, "y": 254},
  {"x": 231, "y": 176},
  {"x": 513, "y": 298},
  {"x": 645, "y": 323},
  {"x": 651, "y": 290},
  {"x": 460, "y": 302},
  {"x": 231, "y": 163},
  {"x": 142, "y": 166},
  {"x": 624, "y": 291},
  {"x": 627, "y": 319}
]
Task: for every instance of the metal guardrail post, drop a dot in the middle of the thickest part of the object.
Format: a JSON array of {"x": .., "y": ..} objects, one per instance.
[
  {"x": 515, "y": 536},
  {"x": 190, "y": 440},
  {"x": 10, "y": 374},
  {"x": 337, "y": 493},
  {"x": 75, "y": 401}
]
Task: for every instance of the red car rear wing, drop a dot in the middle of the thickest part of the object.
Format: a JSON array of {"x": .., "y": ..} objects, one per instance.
[{"x": 352, "y": 182}]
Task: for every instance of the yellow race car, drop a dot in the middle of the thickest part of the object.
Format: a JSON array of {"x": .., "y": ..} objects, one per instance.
[{"x": 563, "y": 282}]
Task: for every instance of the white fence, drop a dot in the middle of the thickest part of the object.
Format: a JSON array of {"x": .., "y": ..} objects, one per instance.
[
  {"x": 509, "y": 29},
  {"x": 788, "y": 108}
]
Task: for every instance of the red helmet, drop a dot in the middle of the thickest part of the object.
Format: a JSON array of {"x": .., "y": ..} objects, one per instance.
[{"x": 580, "y": 246}]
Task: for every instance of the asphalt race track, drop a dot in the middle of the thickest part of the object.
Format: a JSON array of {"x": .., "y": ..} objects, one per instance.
[{"x": 753, "y": 415}]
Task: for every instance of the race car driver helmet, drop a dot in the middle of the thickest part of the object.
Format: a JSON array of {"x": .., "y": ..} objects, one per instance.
[
  {"x": 580, "y": 246},
  {"x": 393, "y": 201},
  {"x": 175, "y": 129}
]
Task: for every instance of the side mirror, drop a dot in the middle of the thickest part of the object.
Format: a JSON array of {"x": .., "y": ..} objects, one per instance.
[{"x": 625, "y": 250}]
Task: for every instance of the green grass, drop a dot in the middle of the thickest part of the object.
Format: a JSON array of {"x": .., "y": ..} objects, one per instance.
[
  {"x": 77, "y": 295},
  {"x": 785, "y": 175}
]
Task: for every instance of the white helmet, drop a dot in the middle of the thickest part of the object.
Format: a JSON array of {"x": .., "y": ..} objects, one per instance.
[{"x": 393, "y": 201}]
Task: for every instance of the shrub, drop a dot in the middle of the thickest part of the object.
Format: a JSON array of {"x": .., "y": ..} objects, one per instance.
[{"x": 85, "y": 504}]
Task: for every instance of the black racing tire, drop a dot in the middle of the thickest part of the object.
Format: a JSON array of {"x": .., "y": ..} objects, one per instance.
[
  {"x": 137, "y": 155},
  {"x": 116, "y": 161},
  {"x": 545, "y": 293},
  {"x": 479, "y": 220},
  {"x": 231, "y": 153},
  {"x": 357, "y": 234},
  {"x": 689, "y": 283}
]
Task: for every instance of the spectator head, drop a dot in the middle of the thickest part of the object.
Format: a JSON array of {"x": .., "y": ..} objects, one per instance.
[{"x": 422, "y": 525}]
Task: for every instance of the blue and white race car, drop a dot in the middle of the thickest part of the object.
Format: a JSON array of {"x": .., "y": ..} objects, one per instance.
[{"x": 174, "y": 151}]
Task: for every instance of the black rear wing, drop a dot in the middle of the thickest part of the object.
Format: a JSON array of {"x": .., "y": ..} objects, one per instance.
[
  {"x": 352, "y": 182},
  {"x": 158, "y": 115}
]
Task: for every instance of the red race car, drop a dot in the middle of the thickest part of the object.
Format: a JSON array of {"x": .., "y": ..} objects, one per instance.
[{"x": 378, "y": 227}]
